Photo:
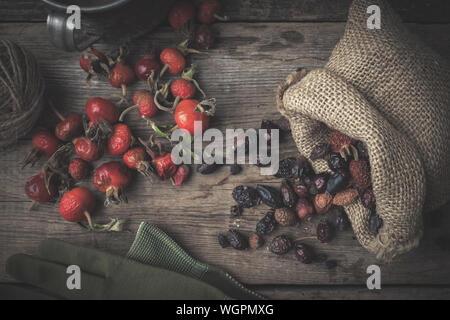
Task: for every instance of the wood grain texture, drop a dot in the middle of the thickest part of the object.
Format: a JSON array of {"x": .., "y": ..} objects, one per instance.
[
  {"x": 242, "y": 73},
  {"x": 267, "y": 10}
]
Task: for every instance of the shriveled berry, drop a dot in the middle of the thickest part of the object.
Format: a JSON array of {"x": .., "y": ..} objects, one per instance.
[
  {"x": 304, "y": 253},
  {"x": 304, "y": 208},
  {"x": 289, "y": 196},
  {"x": 237, "y": 240},
  {"x": 207, "y": 168},
  {"x": 339, "y": 218},
  {"x": 266, "y": 225},
  {"x": 320, "y": 181},
  {"x": 246, "y": 197},
  {"x": 319, "y": 151},
  {"x": 300, "y": 188},
  {"x": 235, "y": 211},
  {"x": 285, "y": 217},
  {"x": 360, "y": 172},
  {"x": 375, "y": 222},
  {"x": 336, "y": 162},
  {"x": 78, "y": 169},
  {"x": 223, "y": 241},
  {"x": 345, "y": 197},
  {"x": 323, "y": 202},
  {"x": 362, "y": 150},
  {"x": 280, "y": 245},
  {"x": 204, "y": 37},
  {"x": 368, "y": 199},
  {"x": 235, "y": 169},
  {"x": 325, "y": 232},
  {"x": 339, "y": 141},
  {"x": 270, "y": 196},
  {"x": 291, "y": 168},
  {"x": 337, "y": 182},
  {"x": 255, "y": 241}
]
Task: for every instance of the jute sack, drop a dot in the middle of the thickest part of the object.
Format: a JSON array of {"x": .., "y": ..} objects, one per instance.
[{"x": 384, "y": 87}]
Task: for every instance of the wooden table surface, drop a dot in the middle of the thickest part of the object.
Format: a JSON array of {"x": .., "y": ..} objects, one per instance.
[{"x": 264, "y": 41}]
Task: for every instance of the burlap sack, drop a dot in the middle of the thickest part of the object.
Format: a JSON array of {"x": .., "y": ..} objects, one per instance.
[{"x": 386, "y": 88}]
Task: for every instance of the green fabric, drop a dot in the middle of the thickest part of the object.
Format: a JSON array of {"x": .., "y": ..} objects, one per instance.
[
  {"x": 154, "y": 247},
  {"x": 104, "y": 276}
]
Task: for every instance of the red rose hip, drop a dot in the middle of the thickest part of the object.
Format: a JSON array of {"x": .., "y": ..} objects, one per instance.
[{"x": 77, "y": 205}]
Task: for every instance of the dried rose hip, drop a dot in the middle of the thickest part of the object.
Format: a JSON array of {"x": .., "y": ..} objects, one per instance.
[
  {"x": 246, "y": 197},
  {"x": 320, "y": 181},
  {"x": 304, "y": 253},
  {"x": 368, "y": 199},
  {"x": 323, "y": 202},
  {"x": 325, "y": 232},
  {"x": 235, "y": 211},
  {"x": 237, "y": 240},
  {"x": 285, "y": 217},
  {"x": 336, "y": 162},
  {"x": 319, "y": 151},
  {"x": 337, "y": 182},
  {"x": 304, "y": 208},
  {"x": 79, "y": 169},
  {"x": 255, "y": 241},
  {"x": 346, "y": 197},
  {"x": 223, "y": 241},
  {"x": 300, "y": 188},
  {"x": 287, "y": 168},
  {"x": 270, "y": 196},
  {"x": 280, "y": 245},
  {"x": 267, "y": 224},
  {"x": 289, "y": 196},
  {"x": 340, "y": 143},
  {"x": 362, "y": 150},
  {"x": 360, "y": 172}
]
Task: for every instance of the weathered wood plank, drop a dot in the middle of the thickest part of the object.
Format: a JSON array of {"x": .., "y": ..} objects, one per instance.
[
  {"x": 242, "y": 72},
  {"x": 267, "y": 10}
]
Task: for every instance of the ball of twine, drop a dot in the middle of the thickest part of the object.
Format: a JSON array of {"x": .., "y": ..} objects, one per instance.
[{"x": 21, "y": 92}]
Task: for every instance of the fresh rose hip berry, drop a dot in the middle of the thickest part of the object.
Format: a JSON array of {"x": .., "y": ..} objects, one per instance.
[
  {"x": 180, "y": 13},
  {"x": 188, "y": 112},
  {"x": 98, "y": 108},
  {"x": 91, "y": 58},
  {"x": 44, "y": 144},
  {"x": 144, "y": 67},
  {"x": 120, "y": 140},
  {"x": 77, "y": 205},
  {"x": 173, "y": 61},
  {"x": 143, "y": 101},
  {"x": 136, "y": 159},
  {"x": 182, "y": 88},
  {"x": 79, "y": 169},
  {"x": 69, "y": 128},
  {"x": 164, "y": 166},
  {"x": 210, "y": 10},
  {"x": 121, "y": 75},
  {"x": 181, "y": 175},
  {"x": 204, "y": 37},
  {"x": 112, "y": 178},
  {"x": 87, "y": 149},
  {"x": 36, "y": 189}
]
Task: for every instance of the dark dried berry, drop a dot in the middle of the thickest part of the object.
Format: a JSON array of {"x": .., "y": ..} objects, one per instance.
[
  {"x": 319, "y": 151},
  {"x": 302, "y": 168},
  {"x": 300, "y": 188},
  {"x": 291, "y": 168},
  {"x": 331, "y": 264},
  {"x": 280, "y": 245},
  {"x": 270, "y": 196},
  {"x": 304, "y": 253},
  {"x": 375, "y": 222},
  {"x": 325, "y": 232},
  {"x": 235, "y": 211},
  {"x": 339, "y": 218},
  {"x": 304, "y": 208},
  {"x": 289, "y": 196},
  {"x": 264, "y": 227},
  {"x": 336, "y": 162},
  {"x": 223, "y": 241},
  {"x": 246, "y": 197},
  {"x": 235, "y": 169},
  {"x": 362, "y": 150},
  {"x": 368, "y": 199},
  {"x": 255, "y": 241},
  {"x": 237, "y": 240},
  {"x": 207, "y": 168},
  {"x": 320, "y": 181},
  {"x": 270, "y": 217},
  {"x": 337, "y": 182}
]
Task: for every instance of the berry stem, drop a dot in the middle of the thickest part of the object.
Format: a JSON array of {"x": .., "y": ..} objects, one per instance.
[
  {"x": 221, "y": 18},
  {"x": 124, "y": 90},
  {"x": 89, "y": 219},
  {"x": 163, "y": 71},
  {"x": 59, "y": 115},
  {"x": 124, "y": 112}
]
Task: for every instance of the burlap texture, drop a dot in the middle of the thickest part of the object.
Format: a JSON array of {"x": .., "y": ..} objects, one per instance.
[{"x": 389, "y": 90}]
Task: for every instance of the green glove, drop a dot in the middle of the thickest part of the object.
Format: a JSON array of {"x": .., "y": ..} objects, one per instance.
[
  {"x": 104, "y": 276},
  {"x": 154, "y": 247}
]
